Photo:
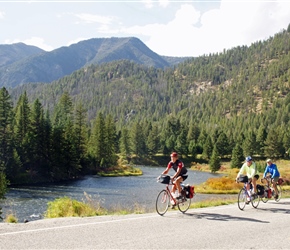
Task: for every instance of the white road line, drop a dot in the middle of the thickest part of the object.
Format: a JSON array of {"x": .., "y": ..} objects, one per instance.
[{"x": 78, "y": 225}]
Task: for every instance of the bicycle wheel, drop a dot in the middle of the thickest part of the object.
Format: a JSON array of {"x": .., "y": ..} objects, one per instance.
[
  {"x": 242, "y": 198},
  {"x": 279, "y": 188},
  {"x": 184, "y": 204},
  {"x": 255, "y": 201},
  {"x": 162, "y": 202},
  {"x": 265, "y": 199}
]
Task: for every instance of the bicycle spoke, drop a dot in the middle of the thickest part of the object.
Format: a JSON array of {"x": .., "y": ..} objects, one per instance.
[
  {"x": 162, "y": 202},
  {"x": 242, "y": 198},
  {"x": 184, "y": 205},
  {"x": 255, "y": 201}
]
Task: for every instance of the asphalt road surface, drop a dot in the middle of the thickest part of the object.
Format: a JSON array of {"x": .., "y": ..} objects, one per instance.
[{"x": 222, "y": 227}]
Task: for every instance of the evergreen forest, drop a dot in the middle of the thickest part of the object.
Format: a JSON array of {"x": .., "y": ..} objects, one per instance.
[{"x": 220, "y": 106}]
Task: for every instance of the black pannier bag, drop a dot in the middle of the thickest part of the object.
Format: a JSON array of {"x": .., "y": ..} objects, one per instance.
[{"x": 260, "y": 190}]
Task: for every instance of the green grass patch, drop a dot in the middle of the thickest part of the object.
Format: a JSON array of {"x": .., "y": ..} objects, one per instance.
[
  {"x": 120, "y": 171},
  {"x": 213, "y": 203}
]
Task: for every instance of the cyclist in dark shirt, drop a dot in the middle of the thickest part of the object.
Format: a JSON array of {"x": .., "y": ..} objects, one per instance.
[{"x": 179, "y": 176}]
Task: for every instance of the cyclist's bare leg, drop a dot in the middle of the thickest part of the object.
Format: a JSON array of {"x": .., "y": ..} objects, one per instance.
[
  {"x": 177, "y": 182},
  {"x": 254, "y": 181},
  {"x": 275, "y": 186}
]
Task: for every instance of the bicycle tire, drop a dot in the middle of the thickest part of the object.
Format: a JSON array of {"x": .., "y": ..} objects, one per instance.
[
  {"x": 162, "y": 202},
  {"x": 279, "y": 188},
  {"x": 242, "y": 198},
  {"x": 184, "y": 205},
  {"x": 255, "y": 202},
  {"x": 265, "y": 199}
]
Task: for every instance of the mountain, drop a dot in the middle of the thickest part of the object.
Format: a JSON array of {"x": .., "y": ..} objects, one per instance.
[
  {"x": 240, "y": 81},
  {"x": 23, "y": 64},
  {"x": 10, "y": 54}
]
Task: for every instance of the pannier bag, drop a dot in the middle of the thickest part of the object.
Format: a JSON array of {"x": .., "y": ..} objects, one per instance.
[
  {"x": 189, "y": 191},
  {"x": 243, "y": 178},
  {"x": 280, "y": 181},
  {"x": 260, "y": 190},
  {"x": 165, "y": 179}
]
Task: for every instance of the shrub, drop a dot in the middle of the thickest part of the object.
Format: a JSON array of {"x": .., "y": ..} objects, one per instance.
[
  {"x": 65, "y": 207},
  {"x": 10, "y": 218}
]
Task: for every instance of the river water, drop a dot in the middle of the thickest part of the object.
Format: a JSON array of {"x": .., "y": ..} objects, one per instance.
[{"x": 29, "y": 203}]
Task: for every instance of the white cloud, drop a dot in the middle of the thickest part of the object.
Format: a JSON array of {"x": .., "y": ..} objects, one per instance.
[
  {"x": 192, "y": 33},
  {"x": 164, "y": 3},
  {"x": 2, "y": 14},
  {"x": 89, "y": 18},
  {"x": 148, "y": 3}
]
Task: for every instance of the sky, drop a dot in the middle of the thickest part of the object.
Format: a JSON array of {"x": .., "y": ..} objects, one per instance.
[{"x": 169, "y": 28}]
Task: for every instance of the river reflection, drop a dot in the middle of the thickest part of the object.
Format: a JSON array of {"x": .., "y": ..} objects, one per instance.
[{"x": 30, "y": 202}]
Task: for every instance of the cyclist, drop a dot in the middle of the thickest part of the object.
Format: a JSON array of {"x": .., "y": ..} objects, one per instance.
[
  {"x": 179, "y": 176},
  {"x": 272, "y": 170},
  {"x": 249, "y": 167}
]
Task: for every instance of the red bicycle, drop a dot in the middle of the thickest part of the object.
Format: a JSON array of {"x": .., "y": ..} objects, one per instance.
[
  {"x": 165, "y": 198},
  {"x": 269, "y": 190}
]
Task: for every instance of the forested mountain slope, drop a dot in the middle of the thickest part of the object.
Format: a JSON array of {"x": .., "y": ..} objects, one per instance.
[
  {"x": 240, "y": 81},
  {"x": 225, "y": 105},
  {"x": 49, "y": 66}
]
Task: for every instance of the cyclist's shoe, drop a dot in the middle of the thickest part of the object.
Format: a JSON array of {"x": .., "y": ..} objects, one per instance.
[
  {"x": 247, "y": 202},
  {"x": 276, "y": 196},
  {"x": 173, "y": 206},
  {"x": 179, "y": 197}
]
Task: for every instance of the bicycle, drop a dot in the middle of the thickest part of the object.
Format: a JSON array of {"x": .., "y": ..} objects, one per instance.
[
  {"x": 244, "y": 197},
  {"x": 269, "y": 190},
  {"x": 165, "y": 198}
]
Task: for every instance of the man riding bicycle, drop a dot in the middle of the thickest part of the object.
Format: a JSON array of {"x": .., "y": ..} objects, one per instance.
[
  {"x": 249, "y": 167},
  {"x": 179, "y": 176},
  {"x": 271, "y": 169}
]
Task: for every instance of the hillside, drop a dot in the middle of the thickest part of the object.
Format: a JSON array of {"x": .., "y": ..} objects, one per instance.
[
  {"x": 32, "y": 66},
  {"x": 222, "y": 106},
  {"x": 10, "y": 54},
  {"x": 240, "y": 81}
]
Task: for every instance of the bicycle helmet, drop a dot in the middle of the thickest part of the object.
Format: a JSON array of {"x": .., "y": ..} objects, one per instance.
[
  {"x": 248, "y": 158},
  {"x": 174, "y": 154}
]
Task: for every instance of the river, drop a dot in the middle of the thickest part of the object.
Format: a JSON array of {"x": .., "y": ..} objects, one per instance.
[{"x": 29, "y": 203}]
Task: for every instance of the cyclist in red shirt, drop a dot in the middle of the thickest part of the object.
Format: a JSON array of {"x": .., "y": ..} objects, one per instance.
[{"x": 179, "y": 176}]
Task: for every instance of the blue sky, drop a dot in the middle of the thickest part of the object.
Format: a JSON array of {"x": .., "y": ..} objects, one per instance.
[{"x": 169, "y": 28}]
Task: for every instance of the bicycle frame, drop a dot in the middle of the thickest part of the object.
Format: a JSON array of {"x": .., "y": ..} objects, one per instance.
[
  {"x": 269, "y": 186},
  {"x": 244, "y": 198},
  {"x": 165, "y": 198}
]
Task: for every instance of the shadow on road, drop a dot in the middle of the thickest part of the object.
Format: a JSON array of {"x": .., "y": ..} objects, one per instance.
[{"x": 222, "y": 217}]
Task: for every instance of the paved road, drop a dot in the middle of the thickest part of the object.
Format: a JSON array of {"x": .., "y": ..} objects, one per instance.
[{"x": 223, "y": 227}]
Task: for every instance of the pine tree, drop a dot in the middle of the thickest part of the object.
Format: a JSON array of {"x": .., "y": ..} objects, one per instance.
[
  {"x": 214, "y": 162},
  {"x": 37, "y": 140},
  {"x": 273, "y": 146},
  {"x": 207, "y": 148},
  {"x": 111, "y": 141},
  {"x": 125, "y": 143},
  {"x": 237, "y": 156},
  {"x": 153, "y": 141},
  {"x": 22, "y": 132},
  {"x": 81, "y": 134},
  {"x": 138, "y": 140},
  {"x": 6, "y": 129},
  {"x": 222, "y": 144}
]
